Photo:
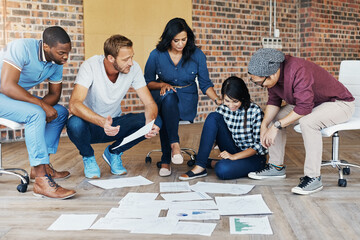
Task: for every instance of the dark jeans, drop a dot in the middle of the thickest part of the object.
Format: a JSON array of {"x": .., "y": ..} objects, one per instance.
[
  {"x": 215, "y": 129},
  {"x": 83, "y": 133},
  {"x": 170, "y": 114}
]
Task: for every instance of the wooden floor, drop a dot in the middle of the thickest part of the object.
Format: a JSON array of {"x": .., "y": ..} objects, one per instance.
[{"x": 333, "y": 213}]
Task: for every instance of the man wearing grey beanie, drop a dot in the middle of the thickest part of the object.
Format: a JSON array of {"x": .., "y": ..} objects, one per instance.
[{"x": 313, "y": 97}]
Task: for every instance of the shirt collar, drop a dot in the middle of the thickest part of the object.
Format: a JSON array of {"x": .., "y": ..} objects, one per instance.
[{"x": 41, "y": 53}]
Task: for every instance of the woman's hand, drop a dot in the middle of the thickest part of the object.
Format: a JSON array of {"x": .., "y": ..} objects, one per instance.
[
  {"x": 226, "y": 155},
  {"x": 166, "y": 87}
]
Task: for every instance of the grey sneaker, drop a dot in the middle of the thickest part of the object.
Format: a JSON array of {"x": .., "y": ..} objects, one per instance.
[
  {"x": 268, "y": 172},
  {"x": 308, "y": 185}
]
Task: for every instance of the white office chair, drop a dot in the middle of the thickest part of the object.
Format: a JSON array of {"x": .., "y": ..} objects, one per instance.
[
  {"x": 349, "y": 76},
  {"x": 189, "y": 151},
  {"x": 24, "y": 177}
]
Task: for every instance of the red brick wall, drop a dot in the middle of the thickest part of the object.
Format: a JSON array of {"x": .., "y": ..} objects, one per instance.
[
  {"x": 329, "y": 32},
  {"x": 228, "y": 31}
]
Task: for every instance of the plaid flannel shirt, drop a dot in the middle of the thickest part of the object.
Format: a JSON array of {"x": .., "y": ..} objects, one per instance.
[{"x": 248, "y": 137}]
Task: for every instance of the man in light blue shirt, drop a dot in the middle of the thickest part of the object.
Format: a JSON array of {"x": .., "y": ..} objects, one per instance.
[{"x": 25, "y": 63}]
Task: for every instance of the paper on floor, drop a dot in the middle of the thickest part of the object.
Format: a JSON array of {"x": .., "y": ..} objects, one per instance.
[
  {"x": 246, "y": 225},
  {"x": 73, "y": 222},
  {"x": 121, "y": 182},
  {"x": 189, "y": 196},
  {"x": 224, "y": 188}
]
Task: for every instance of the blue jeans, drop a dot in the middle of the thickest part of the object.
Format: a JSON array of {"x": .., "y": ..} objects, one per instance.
[
  {"x": 170, "y": 114},
  {"x": 83, "y": 133},
  {"x": 215, "y": 129},
  {"x": 41, "y": 138}
]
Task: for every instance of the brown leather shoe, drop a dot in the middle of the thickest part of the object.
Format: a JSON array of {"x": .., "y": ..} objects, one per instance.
[
  {"x": 51, "y": 172},
  {"x": 46, "y": 187}
]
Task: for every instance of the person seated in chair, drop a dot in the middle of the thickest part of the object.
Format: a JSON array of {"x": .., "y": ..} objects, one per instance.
[
  {"x": 313, "y": 97},
  {"x": 235, "y": 127},
  {"x": 25, "y": 63},
  {"x": 100, "y": 86},
  {"x": 170, "y": 73}
]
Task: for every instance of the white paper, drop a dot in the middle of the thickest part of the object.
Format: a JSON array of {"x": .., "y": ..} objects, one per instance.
[
  {"x": 206, "y": 204},
  {"x": 134, "y": 212},
  {"x": 190, "y": 196},
  {"x": 158, "y": 204},
  {"x": 121, "y": 182},
  {"x": 193, "y": 214},
  {"x": 174, "y": 187},
  {"x": 224, "y": 188},
  {"x": 156, "y": 226},
  {"x": 139, "y": 133},
  {"x": 73, "y": 222},
  {"x": 246, "y": 225},
  {"x": 133, "y": 197},
  {"x": 194, "y": 228},
  {"x": 116, "y": 224},
  {"x": 252, "y": 204}
]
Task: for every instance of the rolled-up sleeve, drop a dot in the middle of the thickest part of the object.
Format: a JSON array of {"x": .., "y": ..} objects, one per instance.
[
  {"x": 203, "y": 72},
  {"x": 150, "y": 68}
]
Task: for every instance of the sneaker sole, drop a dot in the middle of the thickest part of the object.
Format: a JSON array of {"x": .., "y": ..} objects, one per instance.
[
  {"x": 189, "y": 178},
  {"x": 43, "y": 196},
  {"x": 107, "y": 161},
  {"x": 57, "y": 179},
  {"x": 302, "y": 192},
  {"x": 257, "y": 177}
]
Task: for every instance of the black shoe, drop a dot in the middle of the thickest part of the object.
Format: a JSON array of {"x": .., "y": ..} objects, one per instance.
[{"x": 190, "y": 175}]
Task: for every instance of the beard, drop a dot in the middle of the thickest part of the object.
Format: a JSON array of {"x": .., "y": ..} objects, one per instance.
[{"x": 120, "y": 69}]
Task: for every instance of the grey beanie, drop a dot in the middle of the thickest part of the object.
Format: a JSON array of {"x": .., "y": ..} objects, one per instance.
[{"x": 265, "y": 62}]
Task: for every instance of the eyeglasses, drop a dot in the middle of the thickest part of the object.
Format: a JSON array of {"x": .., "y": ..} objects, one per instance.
[{"x": 259, "y": 83}]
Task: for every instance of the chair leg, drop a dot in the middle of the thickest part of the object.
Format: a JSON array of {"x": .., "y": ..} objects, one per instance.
[
  {"x": 342, "y": 165},
  {"x": 189, "y": 151},
  {"x": 24, "y": 177}
]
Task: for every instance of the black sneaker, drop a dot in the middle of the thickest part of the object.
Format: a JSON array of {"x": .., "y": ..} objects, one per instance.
[{"x": 308, "y": 185}]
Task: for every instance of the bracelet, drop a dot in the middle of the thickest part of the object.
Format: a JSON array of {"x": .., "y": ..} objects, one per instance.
[{"x": 215, "y": 100}]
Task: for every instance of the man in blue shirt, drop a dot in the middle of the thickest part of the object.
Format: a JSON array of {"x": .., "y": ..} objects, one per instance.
[{"x": 25, "y": 63}]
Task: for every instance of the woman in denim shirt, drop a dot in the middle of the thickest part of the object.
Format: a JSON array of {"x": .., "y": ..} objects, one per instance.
[{"x": 170, "y": 72}]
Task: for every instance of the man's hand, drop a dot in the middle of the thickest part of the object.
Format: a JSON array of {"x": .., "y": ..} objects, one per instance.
[
  {"x": 108, "y": 129},
  {"x": 153, "y": 132},
  {"x": 269, "y": 138},
  {"x": 226, "y": 155},
  {"x": 166, "y": 87},
  {"x": 51, "y": 113}
]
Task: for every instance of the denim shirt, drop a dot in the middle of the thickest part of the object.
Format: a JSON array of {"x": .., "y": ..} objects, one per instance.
[{"x": 160, "y": 67}]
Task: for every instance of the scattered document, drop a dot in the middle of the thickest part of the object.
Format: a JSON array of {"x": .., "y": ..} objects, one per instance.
[
  {"x": 206, "y": 204},
  {"x": 133, "y": 197},
  {"x": 73, "y": 222},
  {"x": 134, "y": 212},
  {"x": 139, "y": 133},
  {"x": 193, "y": 214},
  {"x": 189, "y": 196},
  {"x": 224, "y": 188},
  {"x": 245, "y": 205},
  {"x": 158, "y": 204},
  {"x": 174, "y": 187},
  {"x": 247, "y": 225},
  {"x": 194, "y": 228},
  {"x": 156, "y": 226},
  {"x": 121, "y": 182},
  {"x": 116, "y": 224}
]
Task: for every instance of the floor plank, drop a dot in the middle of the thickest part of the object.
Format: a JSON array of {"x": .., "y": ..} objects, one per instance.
[{"x": 333, "y": 213}]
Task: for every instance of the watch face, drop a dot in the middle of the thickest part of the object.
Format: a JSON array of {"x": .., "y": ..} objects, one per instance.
[{"x": 277, "y": 124}]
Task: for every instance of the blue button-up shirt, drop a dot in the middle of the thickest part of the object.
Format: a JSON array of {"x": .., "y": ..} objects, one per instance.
[
  {"x": 160, "y": 67},
  {"x": 27, "y": 56}
]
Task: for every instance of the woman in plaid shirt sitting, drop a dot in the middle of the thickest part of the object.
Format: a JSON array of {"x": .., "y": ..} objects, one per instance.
[{"x": 235, "y": 127}]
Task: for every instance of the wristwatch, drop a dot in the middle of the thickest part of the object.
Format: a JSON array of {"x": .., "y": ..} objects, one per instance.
[{"x": 277, "y": 124}]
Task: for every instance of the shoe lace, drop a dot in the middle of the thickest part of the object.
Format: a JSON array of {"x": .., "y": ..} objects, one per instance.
[
  {"x": 304, "y": 181},
  {"x": 116, "y": 159},
  {"x": 51, "y": 182},
  {"x": 266, "y": 168}
]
